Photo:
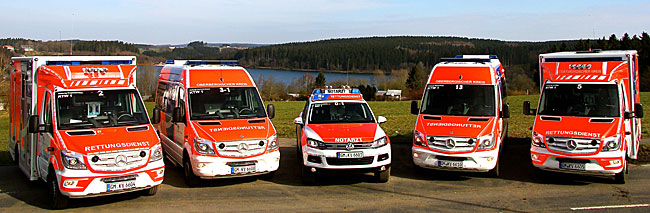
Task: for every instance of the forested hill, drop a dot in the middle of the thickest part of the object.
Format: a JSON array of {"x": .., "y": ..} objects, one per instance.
[{"x": 389, "y": 53}]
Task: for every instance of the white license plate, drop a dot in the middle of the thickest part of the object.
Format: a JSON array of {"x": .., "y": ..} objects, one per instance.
[
  {"x": 572, "y": 166},
  {"x": 120, "y": 186},
  {"x": 242, "y": 169},
  {"x": 451, "y": 164},
  {"x": 350, "y": 154}
]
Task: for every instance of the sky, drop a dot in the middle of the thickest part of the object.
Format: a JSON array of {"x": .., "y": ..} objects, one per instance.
[{"x": 282, "y": 21}]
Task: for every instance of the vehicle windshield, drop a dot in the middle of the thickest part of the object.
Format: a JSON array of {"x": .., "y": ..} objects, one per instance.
[
  {"x": 225, "y": 103},
  {"x": 459, "y": 100},
  {"x": 340, "y": 112},
  {"x": 587, "y": 100},
  {"x": 99, "y": 108}
]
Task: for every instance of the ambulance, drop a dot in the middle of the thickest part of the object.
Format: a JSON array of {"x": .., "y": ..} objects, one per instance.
[
  {"x": 79, "y": 124},
  {"x": 462, "y": 121},
  {"x": 213, "y": 122},
  {"x": 588, "y": 120},
  {"x": 337, "y": 132}
]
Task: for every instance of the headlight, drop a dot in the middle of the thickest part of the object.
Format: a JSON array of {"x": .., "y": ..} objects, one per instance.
[
  {"x": 156, "y": 153},
  {"x": 418, "y": 139},
  {"x": 486, "y": 142},
  {"x": 273, "y": 143},
  {"x": 314, "y": 143},
  {"x": 380, "y": 142},
  {"x": 538, "y": 140},
  {"x": 72, "y": 160},
  {"x": 612, "y": 143},
  {"x": 203, "y": 146}
]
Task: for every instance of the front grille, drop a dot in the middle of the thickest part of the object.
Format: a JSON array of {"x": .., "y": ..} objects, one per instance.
[
  {"x": 118, "y": 179},
  {"x": 342, "y": 146},
  {"x": 573, "y": 160},
  {"x": 241, "y": 148},
  {"x": 578, "y": 146},
  {"x": 457, "y": 144},
  {"x": 118, "y": 161},
  {"x": 450, "y": 158},
  {"x": 350, "y": 161},
  {"x": 241, "y": 163}
]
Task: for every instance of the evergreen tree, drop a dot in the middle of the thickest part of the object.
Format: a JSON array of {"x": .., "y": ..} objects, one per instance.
[
  {"x": 417, "y": 77},
  {"x": 320, "y": 80}
]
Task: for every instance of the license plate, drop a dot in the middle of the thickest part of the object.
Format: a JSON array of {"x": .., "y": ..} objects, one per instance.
[
  {"x": 120, "y": 186},
  {"x": 242, "y": 169},
  {"x": 350, "y": 154},
  {"x": 572, "y": 166},
  {"x": 451, "y": 164}
]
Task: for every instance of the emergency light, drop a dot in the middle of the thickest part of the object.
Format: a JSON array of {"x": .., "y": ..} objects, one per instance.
[
  {"x": 215, "y": 62},
  {"x": 72, "y": 63}
]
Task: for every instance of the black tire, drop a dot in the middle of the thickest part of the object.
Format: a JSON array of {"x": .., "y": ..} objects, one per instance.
[
  {"x": 619, "y": 178},
  {"x": 16, "y": 155},
  {"x": 151, "y": 191},
  {"x": 58, "y": 200},
  {"x": 308, "y": 177},
  {"x": 190, "y": 178},
  {"x": 495, "y": 172},
  {"x": 382, "y": 176}
]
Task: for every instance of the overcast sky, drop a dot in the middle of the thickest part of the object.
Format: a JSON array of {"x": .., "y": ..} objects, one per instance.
[{"x": 281, "y": 21}]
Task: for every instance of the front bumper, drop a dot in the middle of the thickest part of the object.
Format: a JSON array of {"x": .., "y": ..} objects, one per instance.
[
  {"x": 603, "y": 163},
  {"x": 83, "y": 183},
  {"x": 209, "y": 167},
  {"x": 482, "y": 161},
  {"x": 328, "y": 159}
]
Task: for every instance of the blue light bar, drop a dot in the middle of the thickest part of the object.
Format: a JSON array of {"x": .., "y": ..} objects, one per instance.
[
  {"x": 169, "y": 62},
  {"x": 319, "y": 97},
  {"x": 316, "y": 91},
  {"x": 356, "y": 91},
  {"x": 494, "y": 57},
  {"x": 459, "y": 56},
  {"x": 72, "y": 63}
]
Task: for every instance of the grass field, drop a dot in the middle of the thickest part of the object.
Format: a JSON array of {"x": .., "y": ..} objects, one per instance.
[{"x": 399, "y": 126}]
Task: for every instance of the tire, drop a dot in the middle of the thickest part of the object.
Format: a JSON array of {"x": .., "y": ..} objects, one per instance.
[
  {"x": 151, "y": 191},
  {"x": 58, "y": 200},
  {"x": 619, "y": 178},
  {"x": 16, "y": 155},
  {"x": 496, "y": 171},
  {"x": 308, "y": 177},
  {"x": 190, "y": 178},
  {"x": 382, "y": 176}
]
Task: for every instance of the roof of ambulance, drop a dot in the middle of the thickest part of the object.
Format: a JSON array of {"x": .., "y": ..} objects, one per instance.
[{"x": 587, "y": 54}]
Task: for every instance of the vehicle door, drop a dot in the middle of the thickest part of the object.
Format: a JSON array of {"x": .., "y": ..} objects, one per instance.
[{"x": 45, "y": 137}]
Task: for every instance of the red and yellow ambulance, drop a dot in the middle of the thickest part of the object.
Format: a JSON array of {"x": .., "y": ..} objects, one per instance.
[
  {"x": 78, "y": 123},
  {"x": 337, "y": 131},
  {"x": 462, "y": 121},
  {"x": 589, "y": 116},
  {"x": 212, "y": 121}
]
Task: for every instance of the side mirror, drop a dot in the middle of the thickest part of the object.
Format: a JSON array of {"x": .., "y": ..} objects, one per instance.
[
  {"x": 527, "y": 110},
  {"x": 270, "y": 109},
  {"x": 638, "y": 110},
  {"x": 414, "y": 108},
  {"x": 505, "y": 111},
  {"x": 381, "y": 119},
  {"x": 156, "y": 115},
  {"x": 298, "y": 121},
  {"x": 177, "y": 115},
  {"x": 33, "y": 124}
]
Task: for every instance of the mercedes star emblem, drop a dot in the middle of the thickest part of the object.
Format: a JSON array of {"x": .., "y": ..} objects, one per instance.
[
  {"x": 450, "y": 144},
  {"x": 571, "y": 145}
]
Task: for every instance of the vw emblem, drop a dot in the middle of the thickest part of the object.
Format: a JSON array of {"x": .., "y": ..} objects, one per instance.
[
  {"x": 571, "y": 145},
  {"x": 450, "y": 144},
  {"x": 242, "y": 147},
  {"x": 349, "y": 146},
  {"x": 120, "y": 160}
]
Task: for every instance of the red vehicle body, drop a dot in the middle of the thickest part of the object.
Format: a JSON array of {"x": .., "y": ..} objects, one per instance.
[
  {"x": 588, "y": 118},
  {"x": 78, "y": 123}
]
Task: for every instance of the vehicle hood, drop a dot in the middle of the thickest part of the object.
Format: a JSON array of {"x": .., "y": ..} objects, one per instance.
[
  {"x": 455, "y": 126},
  {"x": 108, "y": 139},
  {"x": 232, "y": 130},
  {"x": 580, "y": 127},
  {"x": 344, "y": 133}
]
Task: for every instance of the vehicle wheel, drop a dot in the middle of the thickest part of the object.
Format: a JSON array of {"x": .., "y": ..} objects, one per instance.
[
  {"x": 496, "y": 171},
  {"x": 308, "y": 177},
  {"x": 190, "y": 178},
  {"x": 619, "y": 178},
  {"x": 382, "y": 176},
  {"x": 151, "y": 191},
  {"x": 59, "y": 201},
  {"x": 16, "y": 155}
]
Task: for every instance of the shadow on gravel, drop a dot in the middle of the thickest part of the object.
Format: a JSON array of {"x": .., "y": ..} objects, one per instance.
[
  {"x": 174, "y": 177},
  {"x": 515, "y": 165}
]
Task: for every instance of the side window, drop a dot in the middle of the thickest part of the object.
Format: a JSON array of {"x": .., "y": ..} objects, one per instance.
[
  {"x": 160, "y": 91},
  {"x": 47, "y": 111},
  {"x": 304, "y": 112}
]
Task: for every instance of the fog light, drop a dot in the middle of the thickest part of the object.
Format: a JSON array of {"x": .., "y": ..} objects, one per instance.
[
  {"x": 615, "y": 162},
  {"x": 313, "y": 169},
  {"x": 201, "y": 165},
  {"x": 534, "y": 156},
  {"x": 69, "y": 183},
  {"x": 383, "y": 168},
  {"x": 415, "y": 155},
  {"x": 489, "y": 159}
]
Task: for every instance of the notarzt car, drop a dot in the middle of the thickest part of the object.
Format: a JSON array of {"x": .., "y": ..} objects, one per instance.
[{"x": 337, "y": 131}]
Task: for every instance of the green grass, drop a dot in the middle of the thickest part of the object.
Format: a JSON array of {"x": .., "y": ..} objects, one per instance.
[{"x": 399, "y": 126}]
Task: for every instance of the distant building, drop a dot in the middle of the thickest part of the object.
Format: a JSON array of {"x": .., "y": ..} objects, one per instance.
[
  {"x": 8, "y": 47},
  {"x": 390, "y": 94},
  {"x": 27, "y": 48}
]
